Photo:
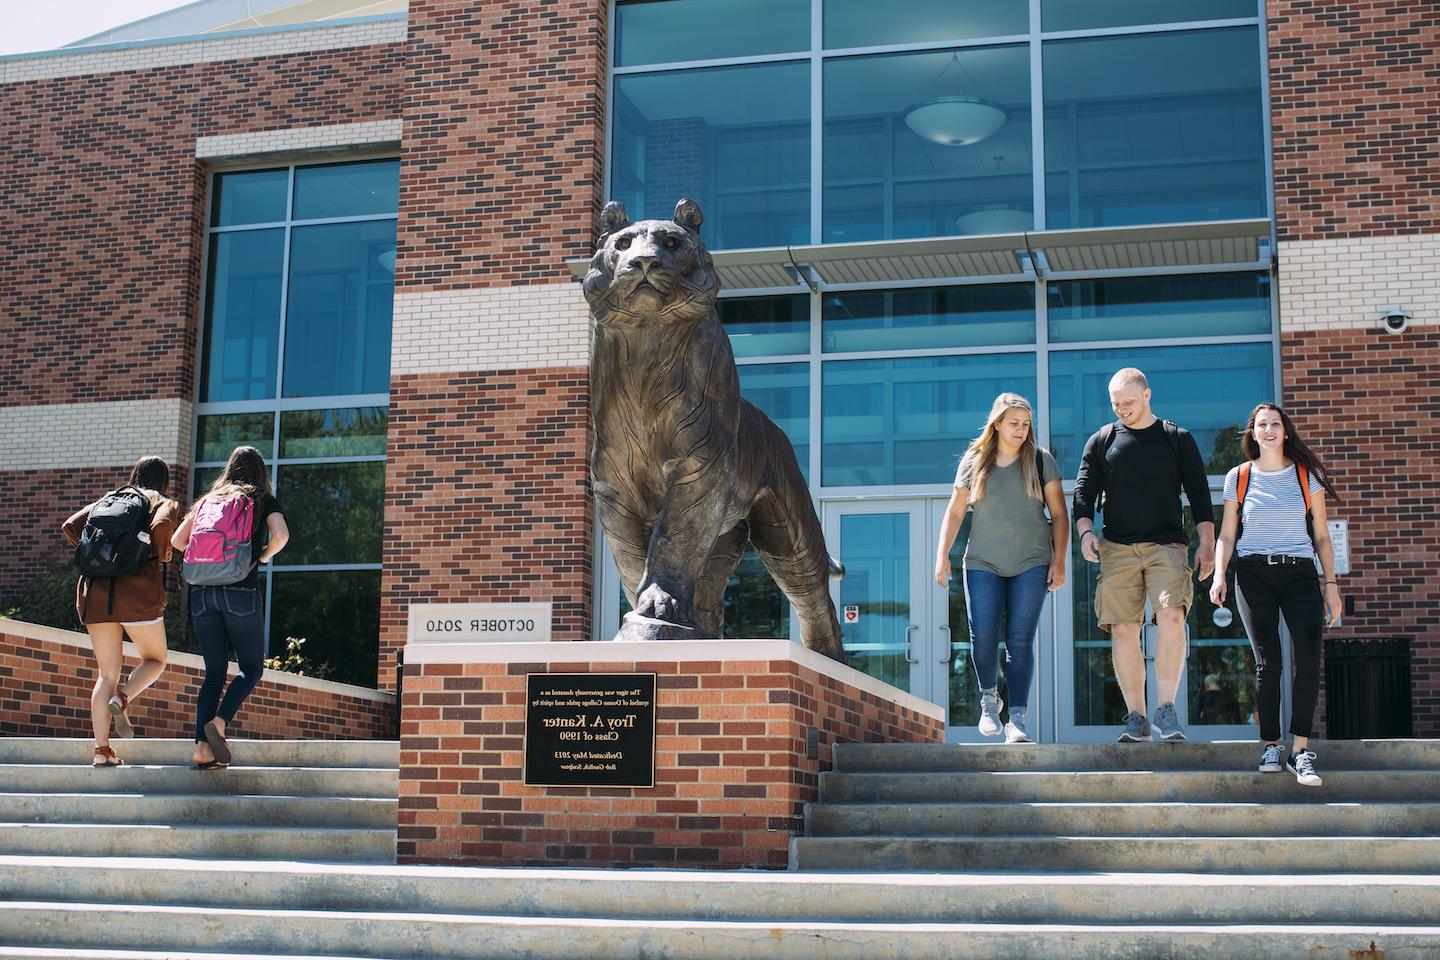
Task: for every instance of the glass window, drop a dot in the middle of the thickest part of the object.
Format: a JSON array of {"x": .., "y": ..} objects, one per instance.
[
  {"x": 255, "y": 196},
  {"x": 927, "y": 318},
  {"x": 766, "y": 326},
  {"x": 347, "y": 189},
  {"x": 242, "y": 315},
  {"x": 334, "y": 512},
  {"x": 337, "y": 327},
  {"x": 1142, "y": 308},
  {"x": 1093, "y": 14},
  {"x": 337, "y": 614},
  {"x": 1186, "y": 144},
  {"x": 217, "y": 436},
  {"x": 349, "y": 432},
  {"x": 674, "y": 30},
  {"x": 908, "y": 420},
  {"x": 782, "y": 392},
  {"x": 734, "y": 139},
  {"x": 864, "y": 23},
  {"x": 927, "y": 144},
  {"x": 1208, "y": 389},
  {"x": 755, "y": 608}
]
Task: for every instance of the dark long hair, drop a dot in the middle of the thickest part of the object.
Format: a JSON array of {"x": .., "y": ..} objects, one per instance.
[
  {"x": 245, "y": 472},
  {"x": 1294, "y": 448},
  {"x": 152, "y": 475}
]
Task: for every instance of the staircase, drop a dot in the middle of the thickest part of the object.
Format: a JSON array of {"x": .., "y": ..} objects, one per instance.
[{"x": 289, "y": 854}]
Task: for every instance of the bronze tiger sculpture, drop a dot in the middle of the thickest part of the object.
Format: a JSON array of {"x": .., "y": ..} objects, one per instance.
[{"x": 686, "y": 471}]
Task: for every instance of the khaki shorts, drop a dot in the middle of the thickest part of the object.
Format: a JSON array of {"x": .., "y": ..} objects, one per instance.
[{"x": 1129, "y": 572}]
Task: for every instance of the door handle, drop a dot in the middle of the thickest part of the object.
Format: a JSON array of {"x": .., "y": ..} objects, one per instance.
[
  {"x": 949, "y": 650},
  {"x": 909, "y": 630}
]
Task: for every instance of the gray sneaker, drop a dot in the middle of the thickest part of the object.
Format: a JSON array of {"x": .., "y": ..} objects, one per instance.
[
  {"x": 1015, "y": 731},
  {"x": 1137, "y": 728},
  {"x": 990, "y": 706},
  {"x": 1270, "y": 759},
  {"x": 1167, "y": 723}
]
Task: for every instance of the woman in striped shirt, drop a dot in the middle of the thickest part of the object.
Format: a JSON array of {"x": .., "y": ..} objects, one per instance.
[{"x": 1274, "y": 527}]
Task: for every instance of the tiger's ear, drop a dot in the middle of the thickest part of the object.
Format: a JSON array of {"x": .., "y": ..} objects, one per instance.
[
  {"x": 613, "y": 218},
  {"x": 688, "y": 215}
]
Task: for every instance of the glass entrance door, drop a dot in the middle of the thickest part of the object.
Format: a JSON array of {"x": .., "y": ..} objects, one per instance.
[{"x": 899, "y": 626}]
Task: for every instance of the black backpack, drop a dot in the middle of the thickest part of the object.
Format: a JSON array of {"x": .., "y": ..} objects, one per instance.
[{"x": 116, "y": 538}]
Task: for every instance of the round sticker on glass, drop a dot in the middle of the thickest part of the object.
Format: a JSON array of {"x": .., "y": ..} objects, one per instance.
[{"x": 1222, "y": 616}]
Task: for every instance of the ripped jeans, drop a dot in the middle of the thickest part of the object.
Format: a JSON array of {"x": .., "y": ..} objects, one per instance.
[{"x": 226, "y": 617}]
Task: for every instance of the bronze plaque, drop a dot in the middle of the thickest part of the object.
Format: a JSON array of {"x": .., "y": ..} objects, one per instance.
[{"x": 590, "y": 730}]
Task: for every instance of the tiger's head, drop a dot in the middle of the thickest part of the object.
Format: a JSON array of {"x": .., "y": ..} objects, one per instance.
[{"x": 653, "y": 271}]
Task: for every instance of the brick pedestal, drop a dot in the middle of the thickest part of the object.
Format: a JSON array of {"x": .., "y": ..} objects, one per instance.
[{"x": 732, "y": 770}]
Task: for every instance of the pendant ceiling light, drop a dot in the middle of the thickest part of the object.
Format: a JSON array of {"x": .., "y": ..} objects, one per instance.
[{"x": 955, "y": 121}]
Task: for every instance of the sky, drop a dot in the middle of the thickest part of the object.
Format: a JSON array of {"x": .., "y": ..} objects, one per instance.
[{"x": 32, "y": 25}]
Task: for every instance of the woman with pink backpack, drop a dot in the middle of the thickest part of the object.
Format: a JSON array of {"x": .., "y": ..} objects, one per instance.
[{"x": 236, "y": 526}]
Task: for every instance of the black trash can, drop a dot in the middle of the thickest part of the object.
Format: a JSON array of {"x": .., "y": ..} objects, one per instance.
[{"x": 1367, "y": 689}]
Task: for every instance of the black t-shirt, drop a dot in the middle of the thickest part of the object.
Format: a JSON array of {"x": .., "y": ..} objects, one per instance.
[
  {"x": 1141, "y": 479},
  {"x": 264, "y": 506}
]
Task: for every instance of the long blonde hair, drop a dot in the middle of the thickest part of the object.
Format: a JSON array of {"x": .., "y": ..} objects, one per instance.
[{"x": 979, "y": 458}]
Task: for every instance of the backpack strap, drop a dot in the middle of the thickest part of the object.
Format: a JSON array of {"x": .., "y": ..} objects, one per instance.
[{"x": 1242, "y": 485}]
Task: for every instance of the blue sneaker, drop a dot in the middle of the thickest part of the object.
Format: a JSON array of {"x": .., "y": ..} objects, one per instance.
[
  {"x": 1270, "y": 759},
  {"x": 1302, "y": 764},
  {"x": 1167, "y": 723},
  {"x": 1137, "y": 729}
]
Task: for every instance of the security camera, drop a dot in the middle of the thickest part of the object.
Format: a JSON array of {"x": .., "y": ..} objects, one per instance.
[{"x": 1394, "y": 320}]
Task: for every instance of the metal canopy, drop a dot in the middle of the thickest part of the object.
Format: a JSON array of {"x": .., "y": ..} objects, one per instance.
[{"x": 1239, "y": 244}]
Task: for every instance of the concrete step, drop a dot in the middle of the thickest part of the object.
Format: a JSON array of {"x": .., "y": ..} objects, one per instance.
[
  {"x": 423, "y": 936},
  {"x": 334, "y": 844},
  {"x": 1229, "y": 755},
  {"x": 79, "y": 953},
  {"x": 1123, "y": 819},
  {"x": 1341, "y": 786},
  {"x": 1283, "y": 854},
  {"x": 237, "y": 780},
  {"x": 170, "y": 809},
  {"x": 1145, "y": 898},
  {"x": 382, "y": 754}
]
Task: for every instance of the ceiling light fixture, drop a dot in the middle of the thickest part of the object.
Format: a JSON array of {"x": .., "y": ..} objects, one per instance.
[{"x": 955, "y": 121}]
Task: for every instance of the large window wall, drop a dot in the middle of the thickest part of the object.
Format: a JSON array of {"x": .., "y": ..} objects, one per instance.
[
  {"x": 295, "y": 361},
  {"x": 834, "y": 121}
]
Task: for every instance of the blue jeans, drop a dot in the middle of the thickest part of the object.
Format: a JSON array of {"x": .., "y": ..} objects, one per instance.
[
  {"x": 992, "y": 600},
  {"x": 226, "y": 617}
]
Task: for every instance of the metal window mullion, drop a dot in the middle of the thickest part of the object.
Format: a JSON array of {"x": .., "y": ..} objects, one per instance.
[
  {"x": 1164, "y": 342},
  {"x": 293, "y": 404},
  {"x": 816, "y": 371},
  {"x": 284, "y": 304},
  {"x": 311, "y": 461},
  {"x": 1144, "y": 28},
  {"x": 673, "y": 65},
  {"x": 1037, "y": 119},
  {"x": 772, "y": 358},
  {"x": 925, "y": 282},
  {"x": 313, "y": 222},
  {"x": 325, "y": 567},
  {"x": 1258, "y": 266},
  {"x": 1042, "y": 362},
  {"x": 817, "y": 122},
  {"x": 921, "y": 353},
  {"x": 927, "y": 46}
]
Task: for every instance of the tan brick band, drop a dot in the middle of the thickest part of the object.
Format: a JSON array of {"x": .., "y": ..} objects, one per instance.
[
  {"x": 732, "y": 774},
  {"x": 1346, "y": 284},
  {"x": 78, "y": 435},
  {"x": 376, "y": 134},
  {"x": 46, "y": 676},
  {"x": 496, "y": 328},
  {"x": 228, "y": 46}
]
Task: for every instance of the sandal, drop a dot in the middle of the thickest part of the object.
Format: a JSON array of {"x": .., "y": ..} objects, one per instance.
[
  {"x": 105, "y": 757},
  {"x": 212, "y": 765},
  {"x": 218, "y": 744},
  {"x": 118, "y": 703}
]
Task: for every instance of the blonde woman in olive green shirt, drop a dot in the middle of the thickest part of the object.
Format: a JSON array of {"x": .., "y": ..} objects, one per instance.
[{"x": 1014, "y": 554}]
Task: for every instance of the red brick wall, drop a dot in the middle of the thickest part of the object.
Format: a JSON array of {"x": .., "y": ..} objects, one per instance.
[
  {"x": 102, "y": 183},
  {"x": 1369, "y": 402},
  {"x": 45, "y": 689},
  {"x": 487, "y": 497},
  {"x": 504, "y": 109},
  {"x": 1354, "y": 95},
  {"x": 731, "y": 777}
]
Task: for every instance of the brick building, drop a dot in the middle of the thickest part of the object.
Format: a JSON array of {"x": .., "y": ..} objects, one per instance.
[{"x": 352, "y": 243}]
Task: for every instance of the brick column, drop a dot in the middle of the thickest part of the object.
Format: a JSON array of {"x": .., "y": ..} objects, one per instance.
[
  {"x": 486, "y": 487},
  {"x": 1354, "y": 89}
]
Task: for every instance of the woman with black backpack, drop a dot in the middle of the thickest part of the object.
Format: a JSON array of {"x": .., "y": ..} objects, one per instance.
[
  {"x": 236, "y": 526},
  {"x": 1275, "y": 529},
  {"x": 120, "y": 541}
]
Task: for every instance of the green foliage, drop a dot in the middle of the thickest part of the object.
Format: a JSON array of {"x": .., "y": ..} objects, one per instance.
[
  {"x": 1227, "y": 451},
  {"x": 47, "y": 599},
  {"x": 295, "y": 661}
]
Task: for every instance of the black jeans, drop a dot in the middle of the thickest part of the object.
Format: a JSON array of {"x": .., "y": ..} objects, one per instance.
[
  {"x": 225, "y": 617},
  {"x": 1264, "y": 593}
]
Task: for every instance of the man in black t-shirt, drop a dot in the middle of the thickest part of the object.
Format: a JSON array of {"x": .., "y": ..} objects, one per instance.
[{"x": 1140, "y": 464}]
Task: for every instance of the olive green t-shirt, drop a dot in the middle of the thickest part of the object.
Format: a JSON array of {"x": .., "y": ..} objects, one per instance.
[{"x": 1009, "y": 533}]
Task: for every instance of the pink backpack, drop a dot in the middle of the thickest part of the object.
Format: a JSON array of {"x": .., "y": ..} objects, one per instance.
[{"x": 219, "y": 553}]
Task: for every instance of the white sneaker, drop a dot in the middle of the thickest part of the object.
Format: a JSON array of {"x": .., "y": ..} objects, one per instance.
[
  {"x": 1015, "y": 729},
  {"x": 990, "y": 707},
  {"x": 1302, "y": 764}
]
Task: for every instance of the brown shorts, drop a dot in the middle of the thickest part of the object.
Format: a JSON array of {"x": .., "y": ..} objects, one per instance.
[{"x": 1129, "y": 572}]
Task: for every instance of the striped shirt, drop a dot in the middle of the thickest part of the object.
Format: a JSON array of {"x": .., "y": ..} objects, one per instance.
[{"x": 1274, "y": 513}]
